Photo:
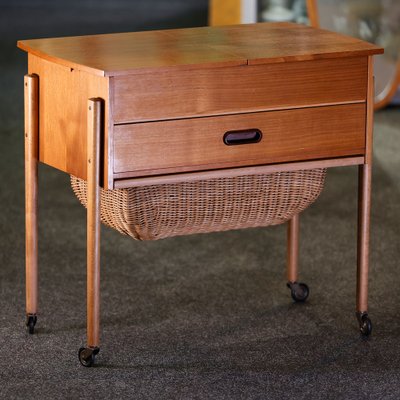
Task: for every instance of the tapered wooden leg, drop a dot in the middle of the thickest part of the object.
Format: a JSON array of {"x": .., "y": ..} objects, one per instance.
[
  {"x": 293, "y": 249},
  {"x": 31, "y": 84},
  {"x": 364, "y": 210},
  {"x": 299, "y": 291},
  {"x": 87, "y": 355}
]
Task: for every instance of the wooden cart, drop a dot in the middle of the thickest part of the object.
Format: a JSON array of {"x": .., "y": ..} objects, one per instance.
[{"x": 130, "y": 110}]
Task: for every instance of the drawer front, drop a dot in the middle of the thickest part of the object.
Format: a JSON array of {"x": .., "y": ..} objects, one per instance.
[
  {"x": 230, "y": 90},
  {"x": 198, "y": 144}
]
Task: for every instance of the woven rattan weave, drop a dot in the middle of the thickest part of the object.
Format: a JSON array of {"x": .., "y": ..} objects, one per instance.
[{"x": 160, "y": 211}]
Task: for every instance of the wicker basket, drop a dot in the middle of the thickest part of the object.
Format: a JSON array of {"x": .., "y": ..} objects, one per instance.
[{"x": 160, "y": 211}]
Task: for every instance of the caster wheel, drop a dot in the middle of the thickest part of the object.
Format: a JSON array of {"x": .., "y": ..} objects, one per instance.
[
  {"x": 87, "y": 355},
  {"x": 30, "y": 323},
  {"x": 365, "y": 325},
  {"x": 299, "y": 291}
]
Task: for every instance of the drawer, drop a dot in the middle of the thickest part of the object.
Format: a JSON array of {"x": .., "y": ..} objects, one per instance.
[
  {"x": 152, "y": 148},
  {"x": 171, "y": 94}
]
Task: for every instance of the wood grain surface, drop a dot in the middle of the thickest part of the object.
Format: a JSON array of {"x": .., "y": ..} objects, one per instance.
[
  {"x": 190, "y": 93},
  {"x": 239, "y": 171},
  {"x": 291, "y": 135},
  {"x": 94, "y": 116},
  {"x": 292, "y": 252},
  {"x": 133, "y": 52},
  {"x": 63, "y": 113},
  {"x": 31, "y": 106},
  {"x": 363, "y": 235},
  {"x": 168, "y": 105},
  {"x": 370, "y": 111}
]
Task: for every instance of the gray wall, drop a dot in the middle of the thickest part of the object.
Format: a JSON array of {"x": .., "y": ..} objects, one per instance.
[
  {"x": 28, "y": 19},
  {"x": 34, "y": 18}
]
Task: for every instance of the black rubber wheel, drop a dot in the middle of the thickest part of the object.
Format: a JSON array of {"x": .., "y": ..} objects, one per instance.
[
  {"x": 87, "y": 355},
  {"x": 365, "y": 326},
  {"x": 299, "y": 291},
  {"x": 30, "y": 323}
]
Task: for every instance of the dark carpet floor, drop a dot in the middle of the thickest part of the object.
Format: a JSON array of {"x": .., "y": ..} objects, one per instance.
[{"x": 197, "y": 317}]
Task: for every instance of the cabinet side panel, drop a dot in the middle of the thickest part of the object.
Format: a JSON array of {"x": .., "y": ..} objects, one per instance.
[{"x": 63, "y": 95}]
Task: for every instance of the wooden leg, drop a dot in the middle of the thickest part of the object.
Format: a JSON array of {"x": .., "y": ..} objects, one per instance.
[
  {"x": 364, "y": 210},
  {"x": 31, "y": 85},
  {"x": 87, "y": 355},
  {"x": 299, "y": 291},
  {"x": 293, "y": 249}
]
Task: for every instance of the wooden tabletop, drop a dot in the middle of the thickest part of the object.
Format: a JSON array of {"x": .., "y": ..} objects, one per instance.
[{"x": 127, "y": 53}]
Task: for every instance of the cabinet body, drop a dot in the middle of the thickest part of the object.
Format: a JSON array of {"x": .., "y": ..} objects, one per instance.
[{"x": 166, "y": 111}]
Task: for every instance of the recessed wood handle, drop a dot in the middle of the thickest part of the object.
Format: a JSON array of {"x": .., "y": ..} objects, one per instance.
[{"x": 242, "y": 137}]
